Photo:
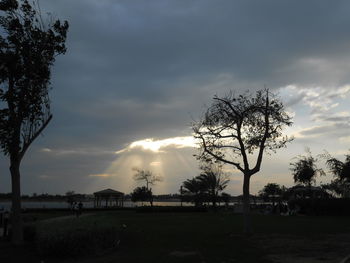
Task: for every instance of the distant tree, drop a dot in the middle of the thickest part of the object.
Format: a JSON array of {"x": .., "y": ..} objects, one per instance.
[
  {"x": 234, "y": 127},
  {"x": 304, "y": 169},
  {"x": 339, "y": 169},
  {"x": 147, "y": 176},
  {"x": 341, "y": 172},
  {"x": 194, "y": 191},
  {"x": 270, "y": 192},
  {"x": 28, "y": 48},
  {"x": 213, "y": 182},
  {"x": 142, "y": 194}
]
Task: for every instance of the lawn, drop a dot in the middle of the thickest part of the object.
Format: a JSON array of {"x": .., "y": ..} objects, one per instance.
[{"x": 216, "y": 237}]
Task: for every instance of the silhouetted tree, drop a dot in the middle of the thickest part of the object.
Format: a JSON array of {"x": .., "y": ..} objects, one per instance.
[
  {"x": 235, "y": 126},
  {"x": 142, "y": 194},
  {"x": 341, "y": 171},
  {"x": 147, "y": 176},
  {"x": 304, "y": 169},
  {"x": 28, "y": 47},
  {"x": 213, "y": 182},
  {"x": 270, "y": 192},
  {"x": 194, "y": 191}
]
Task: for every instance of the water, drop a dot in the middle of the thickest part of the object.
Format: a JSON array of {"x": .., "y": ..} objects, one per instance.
[{"x": 89, "y": 204}]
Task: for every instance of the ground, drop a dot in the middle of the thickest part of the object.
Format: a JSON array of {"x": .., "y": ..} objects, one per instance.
[{"x": 213, "y": 237}]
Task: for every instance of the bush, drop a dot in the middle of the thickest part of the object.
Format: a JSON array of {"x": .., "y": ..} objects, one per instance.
[
  {"x": 322, "y": 206},
  {"x": 76, "y": 238}
]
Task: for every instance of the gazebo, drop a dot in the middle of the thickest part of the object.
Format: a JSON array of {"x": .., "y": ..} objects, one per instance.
[{"x": 108, "y": 198}]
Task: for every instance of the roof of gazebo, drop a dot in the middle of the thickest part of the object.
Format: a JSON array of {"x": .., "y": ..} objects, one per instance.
[{"x": 108, "y": 192}]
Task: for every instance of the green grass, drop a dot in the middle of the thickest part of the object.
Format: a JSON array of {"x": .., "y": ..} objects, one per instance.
[
  {"x": 212, "y": 237},
  {"x": 74, "y": 237}
]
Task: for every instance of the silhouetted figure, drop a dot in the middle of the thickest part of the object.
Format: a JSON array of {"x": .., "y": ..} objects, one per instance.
[
  {"x": 1, "y": 216},
  {"x": 80, "y": 209},
  {"x": 6, "y": 222},
  {"x": 75, "y": 207}
]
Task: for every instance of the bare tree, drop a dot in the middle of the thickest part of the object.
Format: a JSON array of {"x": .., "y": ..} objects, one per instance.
[
  {"x": 28, "y": 47},
  {"x": 147, "y": 176},
  {"x": 234, "y": 127}
]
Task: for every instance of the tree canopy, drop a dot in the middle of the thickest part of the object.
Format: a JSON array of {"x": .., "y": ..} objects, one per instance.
[
  {"x": 207, "y": 186},
  {"x": 340, "y": 185},
  {"x": 236, "y": 126},
  {"x": 28, "y": 48},
  {"x": 305, "y": 170}
]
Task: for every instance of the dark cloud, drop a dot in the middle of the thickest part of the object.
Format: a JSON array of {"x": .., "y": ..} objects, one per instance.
[{"x": 141, "y": 69}]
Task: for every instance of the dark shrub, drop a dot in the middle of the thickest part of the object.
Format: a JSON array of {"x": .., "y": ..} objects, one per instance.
[{"x": 322, "y": 206}]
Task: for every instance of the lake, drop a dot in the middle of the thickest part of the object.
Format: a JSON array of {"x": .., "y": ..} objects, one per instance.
[{"x": 90, "y": 204}]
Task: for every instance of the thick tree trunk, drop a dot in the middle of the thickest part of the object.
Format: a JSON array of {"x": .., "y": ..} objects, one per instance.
[
  {"x": 16, "y": 217},
  {"x": 246, "y": 206}
]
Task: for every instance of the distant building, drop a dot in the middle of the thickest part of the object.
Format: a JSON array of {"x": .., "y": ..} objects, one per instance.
[{"x": 108, "y": 198}]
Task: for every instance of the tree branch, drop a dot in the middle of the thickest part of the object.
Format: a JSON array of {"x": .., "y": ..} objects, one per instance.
[{"x": 34, "y": 136}]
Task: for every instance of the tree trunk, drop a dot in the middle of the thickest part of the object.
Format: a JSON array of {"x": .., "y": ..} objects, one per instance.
[
  {"x": 214, "y": 199},
  {"x": 246, "y": 206},
  {"x": 16, "y": 217}
]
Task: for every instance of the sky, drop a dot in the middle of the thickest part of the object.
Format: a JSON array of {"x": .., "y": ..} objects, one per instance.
[{"x": 137, "y": 74}]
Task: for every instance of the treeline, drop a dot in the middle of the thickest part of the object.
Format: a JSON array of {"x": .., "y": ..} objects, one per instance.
[{"x": 44, "y": 197}]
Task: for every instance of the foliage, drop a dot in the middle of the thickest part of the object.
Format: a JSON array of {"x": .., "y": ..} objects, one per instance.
[
  {"x": 319, "y": 206},
  {"x": 234, "y": 127},
  {"x": 271, "y": 191},
  {"x": 304, "y": 169},
  {"x": 213, "y": 181},
  {"x": 194, "y": 191},
  {"x": 141, "y": 194},
  {"x": 205, "y": 187},
  {"x": 338, "y": 187},
  {"x": 341, "y": 171},
  {"x": 28, "y": 49}
]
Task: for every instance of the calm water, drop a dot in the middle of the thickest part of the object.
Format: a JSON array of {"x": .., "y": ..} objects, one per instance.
[{"x": 90, "y": 204}]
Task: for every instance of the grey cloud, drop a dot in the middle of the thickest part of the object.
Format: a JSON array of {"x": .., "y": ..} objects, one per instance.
[
  {"x": 330, "y": 130},
  {"x": 140, "y": 69}
]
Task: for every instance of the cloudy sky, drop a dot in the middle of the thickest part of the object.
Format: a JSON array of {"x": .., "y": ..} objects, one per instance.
[{"x": 137, "y": 73}]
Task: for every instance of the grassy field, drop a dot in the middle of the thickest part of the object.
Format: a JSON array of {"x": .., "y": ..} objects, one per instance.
[{"x": 216, "y": 237}]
